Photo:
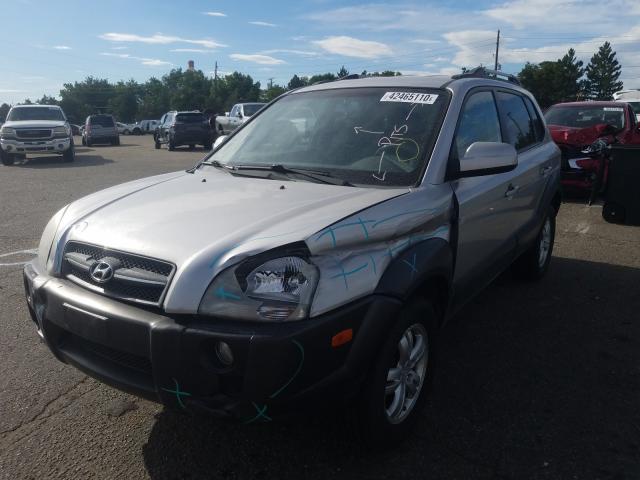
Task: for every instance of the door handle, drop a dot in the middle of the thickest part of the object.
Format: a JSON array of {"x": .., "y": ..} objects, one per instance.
[
  {"x": 546, "y": 170},
  {"x": 511, "y": 191}
]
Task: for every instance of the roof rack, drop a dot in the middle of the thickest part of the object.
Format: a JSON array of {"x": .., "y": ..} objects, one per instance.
[{"x": 482, "y": 72}]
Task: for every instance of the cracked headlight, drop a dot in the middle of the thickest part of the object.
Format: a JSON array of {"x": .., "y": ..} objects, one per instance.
[{"x": 280, "y": 289}]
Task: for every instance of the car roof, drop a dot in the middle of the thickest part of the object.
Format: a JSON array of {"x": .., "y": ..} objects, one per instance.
[
  {"x": 590, "y": 103},
  {"x": 36, "y": 106},
  {"x": 456, "y": 84}
]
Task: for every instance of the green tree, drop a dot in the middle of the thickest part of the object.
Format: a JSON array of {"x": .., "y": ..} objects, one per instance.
[
  {"x": 571, "y": 71},
  {"x": 154, "y": 101},
  {"x": 125, "y": 100},
  {"x": 343, "y": 72},
  {"x": 47, "y": 100},
  {"x": 297, "y": 82},
  {"x": 80, "y": 99},
  {"x": 191, "y": 90},
  {"x": 273, "y": 92},
  {"x": 325, "y": 77},
  {"x": 603, "y": 73},
  {"x": 4, "y": 110}
]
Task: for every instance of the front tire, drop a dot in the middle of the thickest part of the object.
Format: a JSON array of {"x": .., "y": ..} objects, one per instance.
[
  {"x": 69, "y": 155},
  {"x": 397, "y": 386},
  {"x": 7, "y": 158},
  {"x": 533, "y": 264}
]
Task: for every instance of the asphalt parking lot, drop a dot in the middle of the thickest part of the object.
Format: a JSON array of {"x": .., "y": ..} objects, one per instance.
[{"x": 535, "y": 380}]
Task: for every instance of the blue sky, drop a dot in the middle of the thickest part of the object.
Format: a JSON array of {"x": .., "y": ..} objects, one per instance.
[{"x": 46, "y": 44}]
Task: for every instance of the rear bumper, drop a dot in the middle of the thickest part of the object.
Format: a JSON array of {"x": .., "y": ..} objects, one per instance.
[
  {"x": 56, "y": 145},
  {"x": 278, "y": 369}
]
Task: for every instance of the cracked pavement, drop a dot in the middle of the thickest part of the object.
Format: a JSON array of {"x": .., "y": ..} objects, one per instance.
[{"x": 534, "y": 381}]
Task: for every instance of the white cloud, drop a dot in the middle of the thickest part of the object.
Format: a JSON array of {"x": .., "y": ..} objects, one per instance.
[
  {"x": 263, "y": 24},
  {"x": 257, "y": 58},
  {"x": 190, "y": 50},
  {"x": 304, "y": 53},
  {"x": 150, "y": 62},
  {"x": 214, "y": 14},
  {"x": 11, "y": 90},
  {"x": 121, "y": 47},
  {"x": 61, "y": 47},
  {"x": 353, "y": 47},
  {"x": 158, "y": 39}
]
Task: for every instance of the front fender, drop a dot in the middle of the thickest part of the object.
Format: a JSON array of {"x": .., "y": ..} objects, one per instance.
[{"x": 428, "y": 260}]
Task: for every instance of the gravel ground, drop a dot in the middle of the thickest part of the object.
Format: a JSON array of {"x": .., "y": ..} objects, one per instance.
[{"x": 535, "y": 380}]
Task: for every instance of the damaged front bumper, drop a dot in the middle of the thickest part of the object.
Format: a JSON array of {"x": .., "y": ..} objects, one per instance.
[{"x": 276, "y": 369}]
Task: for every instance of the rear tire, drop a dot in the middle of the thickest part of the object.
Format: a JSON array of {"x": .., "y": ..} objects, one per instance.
[
  {"x": 117, "y": 142},
  {"x": 398, "y": 383},
  {"x": 172, "y": 146},
  {"x": 613, "y": 212},
  {"x": 7, "y": 158},
  {"x": 533, "y": 264},
  {"x": 88, "y": 143},
  {"x": 84, "y": 141},
  {"x": 157, "y": 144}
]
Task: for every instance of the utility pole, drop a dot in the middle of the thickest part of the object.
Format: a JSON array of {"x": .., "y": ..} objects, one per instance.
[
  {"x": 215, "y": 76},
  {"x": 270, "y": 83},
  {"x": 495, "y": 66}
]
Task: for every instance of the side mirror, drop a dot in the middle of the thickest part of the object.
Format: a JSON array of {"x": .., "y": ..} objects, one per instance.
[
  {"x": 486, "y": 158},
  {"x": 219, "y": 141},
  {"x": 239, "y": 115}
]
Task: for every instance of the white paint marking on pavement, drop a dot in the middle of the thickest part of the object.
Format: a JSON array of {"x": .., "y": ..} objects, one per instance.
[{"x": 31, "y": 251}]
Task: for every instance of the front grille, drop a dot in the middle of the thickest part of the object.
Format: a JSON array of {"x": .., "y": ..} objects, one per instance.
[
  {"x": 136, "y": 279},
  {"x": 33, "y": 133}
]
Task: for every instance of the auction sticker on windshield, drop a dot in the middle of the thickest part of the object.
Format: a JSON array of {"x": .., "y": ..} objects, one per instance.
[
  {"x": 613, "y": 109},
  {"x": 409, "y": 97}
]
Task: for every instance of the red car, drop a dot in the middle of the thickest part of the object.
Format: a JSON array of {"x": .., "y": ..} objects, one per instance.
[{"x": 575, "y": 126}]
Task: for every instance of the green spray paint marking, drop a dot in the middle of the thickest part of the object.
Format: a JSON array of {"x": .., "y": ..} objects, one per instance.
[
  {"x": 178, "y": 393},
  {"x": 295, "y": 374},
  {"x": 261, "y": 414}
]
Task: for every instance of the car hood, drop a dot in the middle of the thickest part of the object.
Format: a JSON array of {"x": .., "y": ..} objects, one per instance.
[
  {"x": 34, "y": 124},
  {"x": 209, "y": 219}
]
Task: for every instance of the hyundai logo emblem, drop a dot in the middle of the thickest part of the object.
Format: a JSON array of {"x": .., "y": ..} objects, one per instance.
[{"x": 101, "y": 272}]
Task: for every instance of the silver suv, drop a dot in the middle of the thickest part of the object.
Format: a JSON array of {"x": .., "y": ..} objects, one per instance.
[
  {"x": 100, "y": 128},
  {"x": 310, "y": 259}
]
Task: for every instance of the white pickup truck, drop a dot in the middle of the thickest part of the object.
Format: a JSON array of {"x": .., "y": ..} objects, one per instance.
[
  {"x": 239, "y": 114},
  {"x": 35, "y": 129}
]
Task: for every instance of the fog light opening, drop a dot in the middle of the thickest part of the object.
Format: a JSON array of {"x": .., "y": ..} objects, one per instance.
[{"x": 224, "y": 353}]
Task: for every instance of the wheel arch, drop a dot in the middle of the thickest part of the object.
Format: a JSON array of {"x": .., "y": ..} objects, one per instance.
[{"x": 424, "y": 270}]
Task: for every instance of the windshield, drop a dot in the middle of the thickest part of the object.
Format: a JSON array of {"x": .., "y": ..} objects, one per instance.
[
  {"x": 35, "y": 113},
  {"x": 635, "y": 106},
  {"x": 251, "y": 108},
  {"x": 581, "y": 117},
  {"x": 190, "y": 118},
  {"x": 367, "y": 136}
]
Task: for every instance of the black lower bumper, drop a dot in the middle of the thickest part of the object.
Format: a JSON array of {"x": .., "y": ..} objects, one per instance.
[{"x": 277, "y": 369}]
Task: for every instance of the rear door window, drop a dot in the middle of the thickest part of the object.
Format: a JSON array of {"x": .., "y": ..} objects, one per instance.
[
  {"x": 517, "y": 123},
  {"x": 478, "y": 122}
]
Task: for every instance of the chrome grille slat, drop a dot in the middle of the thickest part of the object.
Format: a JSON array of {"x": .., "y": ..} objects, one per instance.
[
  {"x": 137, "y": 279},
  {"x": 33, "y": 133}
]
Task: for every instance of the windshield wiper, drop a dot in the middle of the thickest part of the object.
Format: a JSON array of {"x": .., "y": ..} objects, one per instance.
[{"x": 316, "y": 175}]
